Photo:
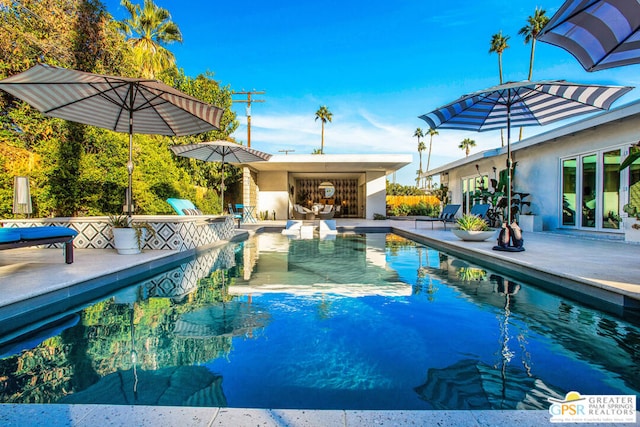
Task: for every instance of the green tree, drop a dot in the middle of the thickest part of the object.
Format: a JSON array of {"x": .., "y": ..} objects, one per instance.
[
  {"x": 499, "y": 45},
  {"x": 431, "y": 133},
  {"x": 325, "y": 116},
  {"x": 535, "y": 24},
  {"x": 148, "y": 30},
  {"x": 466, "y": 145},
  {"x": 421, "y": 147}
]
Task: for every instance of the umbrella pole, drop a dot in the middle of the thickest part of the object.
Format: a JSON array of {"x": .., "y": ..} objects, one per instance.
[
  {"x": 130, "y": 163},
  {"x": 222, "y": 189},
  {"x": 508, "y": 163}
]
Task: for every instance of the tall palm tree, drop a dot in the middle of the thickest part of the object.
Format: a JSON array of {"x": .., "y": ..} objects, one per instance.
[
  {"x": 499, "y": 45},
  {"x": 325, "y": 116},
  {"x": 421, "y": 147},
  {"x": 431, "y": 132},
  {"x": 466, "y": 145},
  {"x": 148, "y": 29},
  {"x": 535, "y": 24}
]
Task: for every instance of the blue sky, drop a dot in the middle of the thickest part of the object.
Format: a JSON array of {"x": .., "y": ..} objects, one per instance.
[{"x": 377, "y": 66}]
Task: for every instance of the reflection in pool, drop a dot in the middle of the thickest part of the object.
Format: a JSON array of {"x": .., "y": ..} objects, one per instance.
[{"x": 369, "y": 321}]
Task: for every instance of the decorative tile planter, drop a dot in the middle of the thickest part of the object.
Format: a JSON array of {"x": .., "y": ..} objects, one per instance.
[
  {"x": 631, "y": 234},
  {"x": 172, "y": 232},
  {"x": 530, "y": 222}
]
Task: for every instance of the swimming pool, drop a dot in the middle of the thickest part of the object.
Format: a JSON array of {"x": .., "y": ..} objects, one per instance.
[{"x": 359, "y": 321}]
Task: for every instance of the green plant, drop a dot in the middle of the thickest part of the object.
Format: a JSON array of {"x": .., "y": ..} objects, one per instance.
[
  {"x": 632, "y": 211},
  {"x": 124, "y": 221},
  {"x": 378, "y": 216},
  {"x": 469, "y": 222}
]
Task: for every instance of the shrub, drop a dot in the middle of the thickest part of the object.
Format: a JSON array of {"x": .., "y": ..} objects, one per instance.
[{"x": 472, "y": 223}]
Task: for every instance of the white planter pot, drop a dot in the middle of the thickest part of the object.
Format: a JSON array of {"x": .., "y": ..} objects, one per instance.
[
  {"x": 474, "y": 236},
  {"x": 631, "y": 234},
  {"x": 530, "y": 222},
  {"x": 125, "y": 241}
]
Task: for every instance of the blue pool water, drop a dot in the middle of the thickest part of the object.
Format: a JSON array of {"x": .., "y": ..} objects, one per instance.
[{"x": 369, "y": 321}]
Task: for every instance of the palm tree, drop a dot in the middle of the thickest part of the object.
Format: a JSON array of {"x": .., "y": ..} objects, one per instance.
[
  {"x": 325, "y": 116},
  {"x": 148, "y": 29},
  {"x": 421, "y": 147},
  {"x": 535, "y": 24},
  {"x": 466, "y": 145},
  {"x": 499, "y": 45},
  {"x": 431, "y": 132}
]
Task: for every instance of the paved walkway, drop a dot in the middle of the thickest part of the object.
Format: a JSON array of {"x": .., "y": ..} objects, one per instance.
[{"x": 595, "y": 269}]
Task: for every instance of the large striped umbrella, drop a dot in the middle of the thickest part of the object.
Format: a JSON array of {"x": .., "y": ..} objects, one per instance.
[
  {"x": 601, "y": 34},
  {"x": 523, "y": 103},
  {"x": 120, "y": 104},
  {"x": 220, "y": 151}
]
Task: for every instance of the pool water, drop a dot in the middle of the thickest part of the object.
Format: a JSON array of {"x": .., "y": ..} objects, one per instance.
[{"x": 356, "y": 321}]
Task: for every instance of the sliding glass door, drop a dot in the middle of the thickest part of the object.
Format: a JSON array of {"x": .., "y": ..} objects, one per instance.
[{"x": 591, "y": 187}]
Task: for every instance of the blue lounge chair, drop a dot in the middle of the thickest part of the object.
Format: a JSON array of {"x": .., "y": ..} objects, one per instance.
[
  {"x": 20, "y": 237},
  {"x": 448, "y": 214},
  {"x": 481, "y": 210},
  {"x": 183, "y": 206}
]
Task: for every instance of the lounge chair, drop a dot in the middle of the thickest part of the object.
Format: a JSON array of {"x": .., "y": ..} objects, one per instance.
[
  {"x": 327, "y": 227},
  {"x": 20, "y": 237},
  {"x": 481, "y": 210},
  {"x": 183, "y": 206},
  {"x": 292, "y": 228},
  {"x": 448, "y": 214}
]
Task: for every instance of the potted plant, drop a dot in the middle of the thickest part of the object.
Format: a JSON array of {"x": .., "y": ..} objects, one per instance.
[
  {"x": 631, "y": 224},
  {"x": 129, "y": 237},
  {"x": 522, "y": 209},
  {"x": 473, "y": 228}
]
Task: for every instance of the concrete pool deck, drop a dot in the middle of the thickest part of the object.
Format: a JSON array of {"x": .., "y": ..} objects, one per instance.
[{"x": 595, "y": 268}]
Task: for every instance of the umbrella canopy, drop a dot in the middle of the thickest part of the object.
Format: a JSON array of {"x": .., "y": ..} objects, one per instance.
[
  {"x": 524, "y": 103},
  {"x": 121, "y": 104},
  {"x": 601, "y": 34},
  {"x": 220, "y": 151}
]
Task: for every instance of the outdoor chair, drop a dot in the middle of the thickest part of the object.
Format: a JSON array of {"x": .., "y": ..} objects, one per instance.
[
  {"x": 448, "y": 214},
  {"x": 20, "y": 237},
  {"x": 300, "y": 212},
  {"x": 327, "y": 212},
  {"x": 235, "y": 214},
  {"x": 481, "y": 210},
  {"x": 183, "y": 206}
]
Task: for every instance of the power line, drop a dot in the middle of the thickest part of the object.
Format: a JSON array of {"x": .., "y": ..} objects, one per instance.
[{"x": 248, "y": 101}]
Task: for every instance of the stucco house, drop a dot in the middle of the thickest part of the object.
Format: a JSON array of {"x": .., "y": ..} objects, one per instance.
[
  {"x": 355, "y": 182},
  {"x": 572, "y": 172}
]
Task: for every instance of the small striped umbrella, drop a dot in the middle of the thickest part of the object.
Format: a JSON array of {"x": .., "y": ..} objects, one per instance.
[
  {"x": 600, "y": 34},
  {"x": 220, "y": 151},
  {"x": 525, "y": 103},
  {"x": 121, "y": 104}
]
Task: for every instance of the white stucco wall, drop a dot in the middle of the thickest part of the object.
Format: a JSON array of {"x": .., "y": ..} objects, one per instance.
[
  {"x": 376, "y": 192},
  {"x": 273, "y": 194}
]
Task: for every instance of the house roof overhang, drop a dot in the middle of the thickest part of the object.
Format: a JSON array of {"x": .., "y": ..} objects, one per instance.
[{"x": 344, "y": 164}]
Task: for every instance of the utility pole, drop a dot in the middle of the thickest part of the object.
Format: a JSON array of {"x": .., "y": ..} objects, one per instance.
[{"x": 248, "y": 101}]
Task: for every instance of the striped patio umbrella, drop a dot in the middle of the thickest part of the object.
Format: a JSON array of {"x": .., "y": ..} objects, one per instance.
[
  {"x": 120, "y": 104},
  {"x": 601, "y": 34},
  {"x": 220, "y": 151},
  {"x": 523, "y": 103}
]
